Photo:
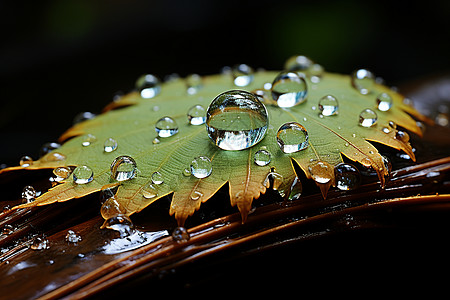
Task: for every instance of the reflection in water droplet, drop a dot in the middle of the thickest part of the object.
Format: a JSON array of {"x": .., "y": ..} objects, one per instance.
[
  {"x": 402, "y": 136},
  {"x": 25, "y": 161},
  {"x": 289, "y": 89},
  {"x": 242, "y": 74},
  {"x": 273, "y": 180},
  {"x": 363, "y": 81},
  {"x": 296, "y": 189},
  {"x": 148, "y": 86},
  {"x": 292, "y": 137},
  {"x": 180, "y": 234},
  {"x": 196, "y": 195},
  {"x": 82, "y": 175},
  {"x": 7, "y": 229},
  {"x": 88, "y": 139},
  {"x": 62, "y": 173},
  {"x": 28, "y": 194},
  {"x": 384, "y": 102},
  {"x": 262, "y": 157},
  {"x": 40, "y": 243},
  {"x": 320, "y": 171},
  {"x": 110, "y": 145},
  {"x": 111, "y": 207},
  {"x": 166, "y": 126},
  {"x": 367, "y": 118},
  {"x": 196, "y": 115},
  {"x": 298, "y": 63},
  {"x": 328, "y": 105},
  {"x": 121, "y": 223},
  {"x": 149, "y": 191},
  {"x": 236, "y": 120},
  {"x": 347, "y": 177},
  {"x": 157, "y": 178},
  {"x": 194, "y": 83},
  {"x": 72, "y": 237},
  {"x": 316, "y": 71},
  {"x": 123, "y": 168},
  {"x": 201, "y": 167}
]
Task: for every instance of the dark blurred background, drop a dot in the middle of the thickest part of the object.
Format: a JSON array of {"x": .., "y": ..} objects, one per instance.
[{"x": 58, "y": 58}]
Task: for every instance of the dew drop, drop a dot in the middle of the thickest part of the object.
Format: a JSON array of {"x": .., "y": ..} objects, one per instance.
[
  {"x": 62, "y": 173},
  {"x": 295, "y": 190},
  {"x": 347, "y": 177},
  {"x": 83, "y": 116},
  {"x": 236, "y": 120},
  {"x": 28, "y": 194},
  {"x": 88, "y": 139},
  {"x": 402, "y": 136},
  {"x": 298, "y": 63},
  {"x": 40, "y": 243},
  {"x": 289, "y": 89},
  {"x": 48, "y": 147},
  {"x": 82, "y": 175},
  {"x": 384, "y": 102},
  {"x": 392, "y": 124},
  {"x": 196, "y": 195},
  {"x": 123, "y": 168},
  {"x": 201, "y": 167},
  {"x": 120, "y": 223},
  {"x": 166, "y": 127},
  {"x": 72, "y": 237},
  {"x": 273, "y": 180},
  {"x": 180, "y": 234},
  {"x": 157, "y": 178},
  {"x": 53, "y": 156},
  {"x": 385, "y": 129},
  {"x": 315, "y": 72},
  {"x": 292, "y": 137},
  {"x": 111, "y": 207},
  {"x": 156, "y": 141},
  {"x": 194, "y": 83},
  {"x": 367, "y": 118},
  {"x": 262, "y": 157},
  {"x": 110, "y": 145},
  {"x": 363, "y": 81},
  {"x": 187, "y": 172},
  {"x": 320, "y": 171},
  {"x": 148, "y": 86},
  {"x": 196, "y": 115},
  {"x": 7, "y": 229},
  {"x": 328, "y": 105},
  {"x": 25, "y": 161},
  {"x": 242, "y": 75},
  {"x": 149, "y": 191}
]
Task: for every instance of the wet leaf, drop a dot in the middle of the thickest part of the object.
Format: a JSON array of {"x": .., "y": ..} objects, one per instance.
[{"x": 131, "y": 121}]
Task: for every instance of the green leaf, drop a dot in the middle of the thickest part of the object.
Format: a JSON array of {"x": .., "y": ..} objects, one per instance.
[{"x": 131, "y": 122}]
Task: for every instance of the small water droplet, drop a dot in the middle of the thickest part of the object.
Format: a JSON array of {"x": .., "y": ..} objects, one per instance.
[
  {"x": 236, "y": 120},
  {"x": 28, "y": 194},
  {"x": 320, "y": 171},
  {"x": 328, "y": 105},
  {"x": 62, "y": 173},
  {"x": 196, "y": 195},
  {"x": 110, "y": 145},
  {"x": 316, "y": 71},
  {"x": 72, "y": 237},
  {"x": 48, "y": 147},
  {"x": 367, "y": 118},
  {"x": 296, "y": 189},
  {"x": 156, "y": 141},
  {"x": 7, "y": 229},
  {"x": 363, "y": 81},
  {"x": 120, "y": 223},
  {"x": 148, "y": 86},
  {"x": 88, "y": 139},
  {"x": 262, "y": 157},
  {"x": 111, "y": 207},
  {"x": 273, "y": 180},
  {"x": 402, "y": 136},
  {"x": 196, "y": 115},
  {"x": 82, "y": 175},
  {"x": 354, "y": 135},
  {"x": 83, "y": 116},
  {"x": 289, "y": 89},
  {"x": 384, "y": 102},
  {"x": 298, "y": 63},
  {"x": 243, "y": 75},
  {"x": 157, "y": 178},
  {"x": 123, "y": 168},
  {"x": 194, "y": 83},
  {"x": 40, "y": 243},
  {"x": 385, "y": 129},
  {"x": 392, "y": 124},
  {"x": 149, "y": 191},
  {"x": 166, "y": 126},
  {"x": 180, "y": 234},
  {"x": 53, "y": 156},
  {"x": 187, "y": 171},
  {"x": 201, "y": 167},
  {"x": 292, "y": 137},
  {"x": 347, "y": 177},
  {"x": 25, "y": 161}
]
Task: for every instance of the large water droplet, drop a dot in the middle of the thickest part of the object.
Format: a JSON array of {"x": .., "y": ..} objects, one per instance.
[
  {"x": 148, "y": 86},
  {"x": 384, "y": 102},
  {"x": 363, "y": 81},
  {"x": 196, "y": 115},
  {"x": 201, "y": 167},
  {"x": 262, "y": 157},
  {"x": 72, "y": 237},
  {"x": 120, "y": 223},
  {"x": 194, "y": 83},
  {"x": 111, "y": 207},
  {"x": 110, "y": 145},
  {"x": 123, "y": 168},
  {"x": 367, "y": 118},
  {"x": 298, "y": 63},
  {"x": 328, "y": 105},
  {"x": 62, "y": 173},
  {"x": 292, "y": 137},
  {"x": 82, "y": 175},
  {"x": 273, "y": 180},
  {"x": 347, "y": 177},
  {"x": 242, "y": 74},
  {"x": 25, "y": 161},
  {"x": 28, "y": 194},
  {"x": 166, "y": 126},
  {"x": 320, "y": 171},
  {"x": 236, "y": 120},
  {"x": 402, "y": 136},
  {"x": 88, "y": 139},
  {"x": 180, "y": 234},
  {"x": 289, "y": 89},
  {"x": 149, "y": 191}
]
